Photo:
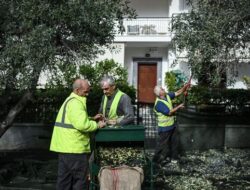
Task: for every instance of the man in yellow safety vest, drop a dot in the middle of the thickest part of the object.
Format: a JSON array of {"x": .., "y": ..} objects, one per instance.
[
  {"x": 71, "y": 138},
  {"x": 116, "y": 106},
  {"x": 166, "y": 148}
]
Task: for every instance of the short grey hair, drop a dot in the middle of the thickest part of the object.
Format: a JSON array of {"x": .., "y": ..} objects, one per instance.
[
  {"x": 157, "y": 90},
  {"x": 107, "y": 79}
]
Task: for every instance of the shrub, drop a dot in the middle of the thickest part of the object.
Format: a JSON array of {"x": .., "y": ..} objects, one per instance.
[
  {"x": 246, "y": 80},
  {"x": 47, "y": 102},
  {"x": 174, "y": 80},
  {"x": 234, "y": 100}
]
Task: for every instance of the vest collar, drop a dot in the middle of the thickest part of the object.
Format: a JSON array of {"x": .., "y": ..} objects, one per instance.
[
  {"x": 113, "y": 95},
  {"x": 82, "y": 99}
]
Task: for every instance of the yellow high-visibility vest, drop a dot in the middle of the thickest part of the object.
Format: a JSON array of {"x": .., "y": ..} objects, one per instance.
[
  {"x": 72, "y": 127},
  {"x": 113, "y": 108},
  {"x": 164, "y": 120}
]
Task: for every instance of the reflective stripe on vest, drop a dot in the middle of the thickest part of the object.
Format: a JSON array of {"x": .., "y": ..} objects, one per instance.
[
  {"x": 114, "y": 105},
  {"x": 164, "y": 120},
  {"x": 62, "y": 124}
]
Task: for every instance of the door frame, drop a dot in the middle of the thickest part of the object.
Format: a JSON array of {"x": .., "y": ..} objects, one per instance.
[{"x": 137, "y": 61}]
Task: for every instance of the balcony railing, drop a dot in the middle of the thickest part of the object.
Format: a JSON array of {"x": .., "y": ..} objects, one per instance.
[{"x": 146, "y": 27}]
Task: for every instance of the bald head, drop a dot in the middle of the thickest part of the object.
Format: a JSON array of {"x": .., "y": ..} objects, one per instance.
[
  {"x": 159, "y": 91},
  {"x": 81, "y": 87}
]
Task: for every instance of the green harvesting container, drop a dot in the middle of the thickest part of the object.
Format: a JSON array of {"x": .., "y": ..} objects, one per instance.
[
  {"x": 125, "y": 133},
  {"x": 127, "y": 136}
]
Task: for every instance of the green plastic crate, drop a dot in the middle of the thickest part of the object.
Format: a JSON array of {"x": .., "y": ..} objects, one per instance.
[{"x": 125, "y": 133}]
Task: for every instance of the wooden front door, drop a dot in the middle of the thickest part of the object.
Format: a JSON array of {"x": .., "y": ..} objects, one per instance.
[{"x": 147, "y": 73}]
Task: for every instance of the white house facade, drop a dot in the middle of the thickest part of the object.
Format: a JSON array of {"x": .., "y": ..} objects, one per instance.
[{"x": 144, "y": 47}]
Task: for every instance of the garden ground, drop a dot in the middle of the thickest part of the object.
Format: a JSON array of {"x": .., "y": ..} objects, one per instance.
[{"x": 209, "y": 170}]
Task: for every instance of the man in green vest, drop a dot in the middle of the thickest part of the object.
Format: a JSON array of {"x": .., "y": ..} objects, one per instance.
[
  {"x": 166, "y": 149},
  {"x": 71, "y": 140},
  {"x": 116, "y": 106}
]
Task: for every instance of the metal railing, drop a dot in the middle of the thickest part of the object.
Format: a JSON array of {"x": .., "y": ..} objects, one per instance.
[
  {"x": 146, "y": 116},
  {"x": 146, "y": 26}
]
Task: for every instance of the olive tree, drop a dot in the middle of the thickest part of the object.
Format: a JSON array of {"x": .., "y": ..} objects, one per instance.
[
  {"x": 215, "y": 36},
  {"x": 37, "y": 36}
]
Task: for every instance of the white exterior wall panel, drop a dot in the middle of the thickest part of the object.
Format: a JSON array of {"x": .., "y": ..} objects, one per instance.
[
  {"x": 149, "y": 8},
  {"x": 117, "y": 53}
]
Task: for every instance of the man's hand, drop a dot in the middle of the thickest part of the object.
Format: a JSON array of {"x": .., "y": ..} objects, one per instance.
[
  {"x": 101, "y": 124},
  {"x": 187, "y": 86},
  {"x": 112, "y": 122},
  {"x": 184, "y": 89},
  {"x": 181, "y": 106},
  {"x": 98, "y": 117}
]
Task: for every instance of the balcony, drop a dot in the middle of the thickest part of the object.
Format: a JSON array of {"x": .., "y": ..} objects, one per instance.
[{"x": 145, "y": 29}]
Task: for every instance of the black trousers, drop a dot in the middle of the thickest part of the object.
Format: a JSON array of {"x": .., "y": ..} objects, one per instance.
[
  {"x": 72, "y": 171},
  {"x": 166, "y": 147}
]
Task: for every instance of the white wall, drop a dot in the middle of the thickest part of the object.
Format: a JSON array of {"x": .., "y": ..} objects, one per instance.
[
  {"x": 242, "y": 69},
  {"x": 158, "y": 8},
  {"x": 117, "y": 53},
  {"x": 151, "y": 8}
]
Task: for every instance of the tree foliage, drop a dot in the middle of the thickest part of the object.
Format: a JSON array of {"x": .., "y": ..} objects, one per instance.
[
  {"x": 106, "y": 67},
  {"x": 38, "y": 36},
  {"x": 215, "y": 36}
]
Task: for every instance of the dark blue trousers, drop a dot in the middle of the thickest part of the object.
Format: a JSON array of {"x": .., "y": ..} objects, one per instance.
[
  {"x": 166, "y": 147},
  {"x": 72, "y": 171}
]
